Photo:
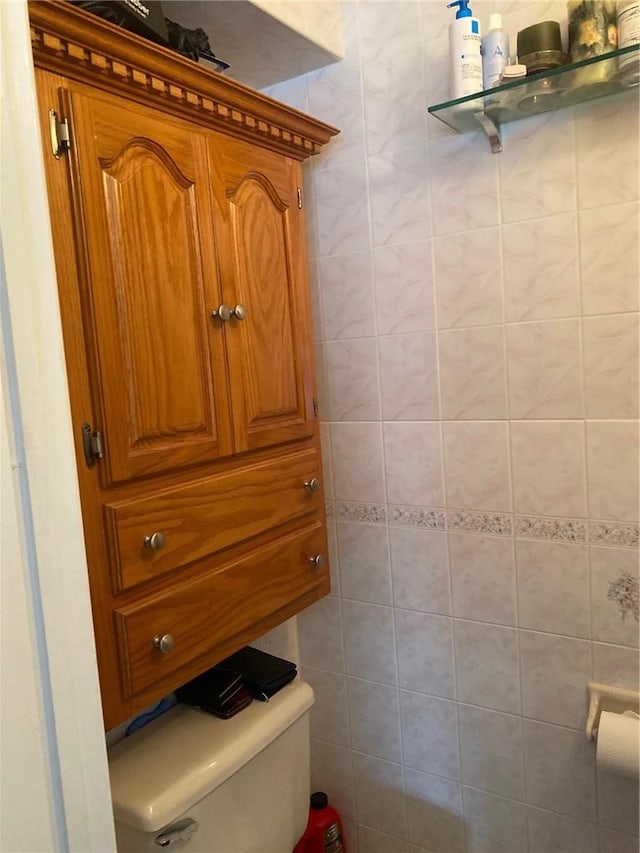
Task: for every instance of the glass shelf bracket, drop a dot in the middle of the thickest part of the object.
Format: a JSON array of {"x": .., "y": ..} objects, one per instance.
[{"x": 576, "y": 83}]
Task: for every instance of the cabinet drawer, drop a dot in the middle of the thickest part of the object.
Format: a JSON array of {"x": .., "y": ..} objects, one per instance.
[
  {"x": 223, "y": 604},
  {"x": 207, "y": 516}
]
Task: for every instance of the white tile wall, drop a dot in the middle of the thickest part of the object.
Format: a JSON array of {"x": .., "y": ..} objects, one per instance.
[
  {"x": 409, "y": 377},
  {"x": 493, "y": 824},
  {"x": 477, "y": 465},
  {"x": 559, "y": 770},
  {"x": 527, "y": 192},
  {"x": 477, "y": 324},
  {"x": 419, "y": 569},
  {"x": 555, "y": 833},
  {"x": 352, "y": 380},
  {"x": 610, "y": 359},
  {"x": 424, "y": 644},
  {"x": 608, "y": 251},
  {"x": 491, "y": 751},
  {"x": 616, "y": 842},
  {"x": 541, "y": 276},
  {"x": 364, "y": 562},
  {"x": 468, "y": 278},
  {"x": 369, "y": 642},
  {"x": 487, "y": 665},
  {"x": 375, "y": 727},
  {"x": 379, "y": 795},
  {"x": 553, "y": 587},
  {"x": 545, "y": 370},
  {"x": 482, "y": 578},
  {"x": 429, "y": 734},
  {"x": 548, "y": 468},
  {"x": 348, "y": 312},
  {"x": 554, "y": 672},
  {"x": 434, "y": 811},
  {"x": 472, "y": 373},
  {"x": 404, "y": 295}
]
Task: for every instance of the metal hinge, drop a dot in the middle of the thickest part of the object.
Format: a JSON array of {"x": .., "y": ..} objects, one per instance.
[
  {"x": 93, "y": 445},
  {"x": 60, "y": 138},
  {"x": 300, "y": 198},
  {"x": 315, "y": 406}
]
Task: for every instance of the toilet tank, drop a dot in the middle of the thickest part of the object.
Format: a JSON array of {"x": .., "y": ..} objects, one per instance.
[{"x": 192, "y": 781}]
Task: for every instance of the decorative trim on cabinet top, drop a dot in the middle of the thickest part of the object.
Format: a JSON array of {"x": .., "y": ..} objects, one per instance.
[{"x": 77, "y": 44}]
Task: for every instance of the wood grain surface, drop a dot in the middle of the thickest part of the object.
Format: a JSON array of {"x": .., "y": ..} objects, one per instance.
[
  {"x": 218, "y": 606},
  {"x": 161, "y": 212},
  {"x": 209, "y": 514},
  {"x": 153, "y": 281}
]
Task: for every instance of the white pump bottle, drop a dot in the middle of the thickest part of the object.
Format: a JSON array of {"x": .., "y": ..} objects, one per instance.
[{"x": 464, "y": 51}]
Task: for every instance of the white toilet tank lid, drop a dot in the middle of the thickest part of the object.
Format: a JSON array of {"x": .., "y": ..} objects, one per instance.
[{"x": 163, "y": 769}]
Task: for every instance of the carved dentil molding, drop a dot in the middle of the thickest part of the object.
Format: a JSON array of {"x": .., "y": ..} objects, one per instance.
[{"x": 69, "y": 41}]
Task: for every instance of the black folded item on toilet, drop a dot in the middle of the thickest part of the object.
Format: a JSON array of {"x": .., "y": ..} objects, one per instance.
[
  {"x": 262, "y": 673},
  {"x": 218, "y": 691}
]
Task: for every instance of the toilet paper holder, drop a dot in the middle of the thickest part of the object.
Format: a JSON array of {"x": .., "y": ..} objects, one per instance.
[{"x": 605, "y": 698}]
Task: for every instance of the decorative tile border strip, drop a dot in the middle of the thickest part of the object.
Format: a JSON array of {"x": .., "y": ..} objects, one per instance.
[
  {"x": 417, "y": 516},
  {"x": 367, "y": 513},
  {"x": 496, "y": 524},
  {"x": 468, "y": 521},
  {"x": 554, "y": 529},
  {"x": 614, "y": 533}
]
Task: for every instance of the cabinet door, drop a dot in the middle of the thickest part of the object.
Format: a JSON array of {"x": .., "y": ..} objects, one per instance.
[
  {"x": 151, "y": 281},
  {"x": 265, "y": 272}
]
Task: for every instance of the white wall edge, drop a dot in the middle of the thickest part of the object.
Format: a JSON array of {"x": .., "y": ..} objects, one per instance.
[{"x": 52, "y": 524}]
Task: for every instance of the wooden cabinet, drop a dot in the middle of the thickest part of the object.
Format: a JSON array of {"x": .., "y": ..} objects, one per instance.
[
  {"x": 147, "y": 226},
  {"x": 179, "y": 237}
]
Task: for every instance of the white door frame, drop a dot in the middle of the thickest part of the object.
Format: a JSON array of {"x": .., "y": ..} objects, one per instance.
[{"x": 50, "y": 543}]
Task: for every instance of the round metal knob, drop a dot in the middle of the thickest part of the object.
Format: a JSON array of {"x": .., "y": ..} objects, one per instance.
[
  {"x": 222, "y": 312},
  {"x": 156, "y": 541},
  {"x": 166, "y": 643},
  {"x": 239, "y": 312},
  {"x": 313, "y": 485},
  {"x": 317, "y": 561}
]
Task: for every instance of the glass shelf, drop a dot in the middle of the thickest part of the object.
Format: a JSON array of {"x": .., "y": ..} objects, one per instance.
[{"x": 549, "y": 90}]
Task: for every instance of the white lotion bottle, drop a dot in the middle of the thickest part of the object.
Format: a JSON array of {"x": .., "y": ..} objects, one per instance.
[
  {"x": 464, "y": 51},
  {"x": 495, "y": 52}
]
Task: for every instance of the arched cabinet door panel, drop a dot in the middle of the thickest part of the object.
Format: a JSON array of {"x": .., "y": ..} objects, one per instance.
[
  {"x": 150, "y": 283},
  {"x": 269, "y": 344}
]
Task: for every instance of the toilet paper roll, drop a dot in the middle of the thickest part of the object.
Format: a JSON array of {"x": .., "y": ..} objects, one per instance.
[{"x": 618, "y": 746}]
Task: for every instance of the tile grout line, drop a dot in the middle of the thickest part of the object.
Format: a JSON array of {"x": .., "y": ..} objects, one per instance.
[
  {"x": 445, "y": 491},
  {"x": 585, "y": 434}
]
